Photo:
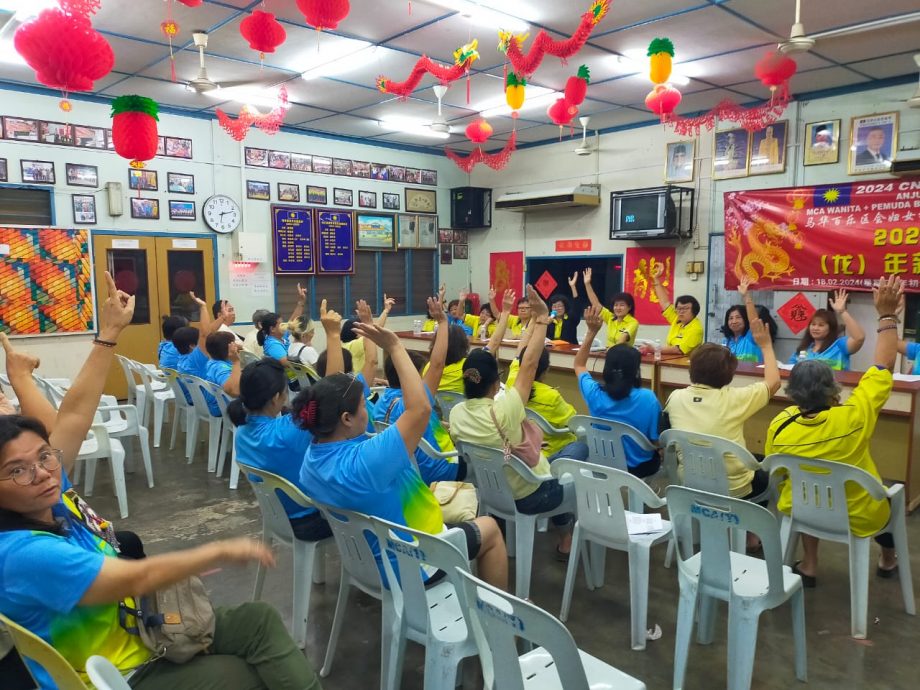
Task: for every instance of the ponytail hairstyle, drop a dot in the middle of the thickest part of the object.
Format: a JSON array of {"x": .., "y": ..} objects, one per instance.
[
  {"x": 319, "y": 408},
  {"x": 266, "y": 323},
  {"x": 260, "y": 382},
  {"x": 621, "y": 371},
  {"x": 300, "y": 327},
  {"x": 389, "y": 370}
]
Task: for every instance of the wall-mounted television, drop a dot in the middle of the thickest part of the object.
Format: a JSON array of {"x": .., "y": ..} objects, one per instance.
[{"x": 643, "y": 214}]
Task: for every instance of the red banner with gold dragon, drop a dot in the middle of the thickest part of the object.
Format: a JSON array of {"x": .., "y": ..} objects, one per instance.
[{"x": 824, "y": 237}]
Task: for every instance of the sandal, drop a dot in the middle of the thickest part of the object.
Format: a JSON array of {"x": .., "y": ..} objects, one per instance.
[
  {"x": 562, "y": 557},
  {"x": 886, "y": 573},
  {"x": 808, "y": 581}
]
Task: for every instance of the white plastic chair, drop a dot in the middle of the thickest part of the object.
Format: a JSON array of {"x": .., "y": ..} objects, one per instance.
[
  {"x": 749, "y": 585},
  {"x": 305, "y": 374},
  {"x": 104, "y": 675},
  {"x": 601, "y": 521},
  {"x": 359, "y": 569},
  {"x": 819, "y": 508},
  {"x": 184, "y": 408},
  {"x": 447, "y": 400},
  {"x": 495, "y": 496},
  {"x": 133, "y": 385},
  {"x": 7, "y": 389},
  {"x": 429, "y": 616},
  {"x": 497, "y": 619},
  {"x": 155, "y": 391},
  {"x": 201, "y": 412},
  {"x": 228, "y": 436},
  {"x": 121, "y": 421},
  {"x": 276, "y": 527},
  {"x": 98, "y": 445},
  {"x": 542, "y": 422},
  {"x": 604, "y": 438},
  {"x": 247, "y": 358}
]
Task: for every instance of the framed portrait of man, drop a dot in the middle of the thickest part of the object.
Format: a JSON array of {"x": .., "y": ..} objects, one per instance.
[
  {"x": 822, "y": 142},
  {"x": 730, "y": 153},
  {"x": 873, "y": 142},
  {"x": 679, "y": 157},
  {"x": 768, "y": 149}
]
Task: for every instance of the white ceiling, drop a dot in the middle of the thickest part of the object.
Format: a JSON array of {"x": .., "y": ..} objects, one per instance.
[{"x": 717, "y": 42}]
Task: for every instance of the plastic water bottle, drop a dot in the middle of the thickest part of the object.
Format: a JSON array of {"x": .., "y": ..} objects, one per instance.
[
  {"x": 552, "y": 314},
  {"x": 483, "y": 332},
  {"x": 803, "y": 355},
  {"x": 657, "y": 350},
  {"x": 417, "y": 327}
]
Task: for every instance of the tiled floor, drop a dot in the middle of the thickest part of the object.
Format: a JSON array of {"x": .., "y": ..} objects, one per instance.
[{"x": 188, "y": 506}]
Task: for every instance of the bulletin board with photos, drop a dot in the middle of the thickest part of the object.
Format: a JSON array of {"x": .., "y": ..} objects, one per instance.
[{"x": 326, "y": 165}]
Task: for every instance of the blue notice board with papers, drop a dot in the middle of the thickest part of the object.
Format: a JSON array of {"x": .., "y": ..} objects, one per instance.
[
  {"x": 292, "y": 240},
  {"x": 335, "y": 242}
]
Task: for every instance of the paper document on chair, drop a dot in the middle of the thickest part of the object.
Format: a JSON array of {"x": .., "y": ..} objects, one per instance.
[{"x": 643, "y": 523}]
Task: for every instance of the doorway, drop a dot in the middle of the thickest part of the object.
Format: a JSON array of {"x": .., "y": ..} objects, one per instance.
[
  {"x": 607, "y": 278},
  {"x": 160, "y": 271}
]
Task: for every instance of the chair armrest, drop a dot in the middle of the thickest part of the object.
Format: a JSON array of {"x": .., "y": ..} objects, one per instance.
[
  {"x": 526, "y": 472},
  {"x": 129, "y": 410},
  {"x": 544, "y": 425}
]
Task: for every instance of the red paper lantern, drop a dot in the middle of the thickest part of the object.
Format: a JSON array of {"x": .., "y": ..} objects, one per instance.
[
  {"x": 263, "y": 32},
  {"x": 479, "y": 131},
  {"x": 134, "y": 128},
  {"x": 324, "y": 14},
  {"x": 663, "y": 99},
  {"x": 775, "y": 69},
  {"x": 191, "y": 3},
  {"x": 64, "y": 50},
  {"x": 561, "y": 112}
]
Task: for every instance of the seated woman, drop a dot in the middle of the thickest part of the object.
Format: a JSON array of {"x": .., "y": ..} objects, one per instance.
[
  {"x": 345, "y": 468},
  {"x": 548, "y": 402},
  {"x": 271, "y": 336},
  {"x": 301, "y": 348},
  {"x": 737, "y": 328},
  {"x": 484, "y": 325},
  {"x": 816, "y": 425},
  {"x": 564, "y": 323},
  {"x": 390, "y": 406},
  {"x": 518, "y": 323},
  {"x": 686, "y": 331},
  {"x": 77, "y": 610},
  {"x": 457, "y": 316},
  {"x": 458, "y": 345},
  {"x": 621, "y": 397},
  {"x": 491, "y": 421},
  {"x": 709, "y": 405},
  {"x": 822, "y": 339},
  {"x": 357, "y": 345},
  {"x": 224, "y": 366},
  {"x": 622, "y": 326},
  {"x": 167, "y": 354}
]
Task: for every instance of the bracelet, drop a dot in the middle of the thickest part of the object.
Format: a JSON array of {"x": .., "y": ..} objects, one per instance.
[
  {"x": 889, "y": 317},
  {"x": 104, "y": 343},
  {"x": 892, "y": 327}
]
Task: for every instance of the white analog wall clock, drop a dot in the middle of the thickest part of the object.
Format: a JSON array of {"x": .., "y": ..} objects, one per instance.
[{"x": 222, "y": 214}]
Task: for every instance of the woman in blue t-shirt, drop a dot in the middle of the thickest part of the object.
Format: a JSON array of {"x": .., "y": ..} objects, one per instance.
[
  {"x": 271, "y": 337},
  {"x": 822, "y": 339},
  {"x": 737, "y": 328},
  {"x": 621, "y": 398}
]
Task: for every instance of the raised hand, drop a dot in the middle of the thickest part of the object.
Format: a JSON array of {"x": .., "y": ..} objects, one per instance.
[
  {"x": 118, "y": 310},
  {"x": 887, "y": 295},
  {"x": 464, "y": 293},
  {"x": 657, "y": 272},
  {"x": 508, "y": 300},
  {"x": 573, "y": 279},
  {"x": 538, "y": 307},
  {"x": 761, "y": 334},
  {"x": 363, "y": 310},
  {"x": 839, "y": 301},
  {"x": 744, "y": 286},
  {"x": 233, "y": 352},
  {"x": 593, "y": 320},
  {"x": 388, "y": 303},
  {"x": 586, "y": 275},
  {"x": 442, "y": 291},
  {"x": 331, "y": 320},
  {"x": 382, "y": 337},
  {"x": 197, "y": 300},
  {"x": 301, "y": 294},
  {"x": 436, "y": 309},
  {"x": 18, "y": 364},
  {"x": 492, "y": 294}
]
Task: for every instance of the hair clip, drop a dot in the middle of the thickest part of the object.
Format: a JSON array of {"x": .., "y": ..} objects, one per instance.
[
  {"x": 473, "y": 375},
  {"x": 308, "y": 413}
]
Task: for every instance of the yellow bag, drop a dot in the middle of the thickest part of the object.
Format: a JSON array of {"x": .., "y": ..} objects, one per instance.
[{"x": 458, "y": 500}]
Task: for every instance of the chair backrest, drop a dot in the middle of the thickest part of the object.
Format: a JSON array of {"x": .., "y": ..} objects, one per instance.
[
  {"x": 305, "y": 374},
  {"x": 599, "y": 496},
  {"x": 414, "y": 549},
  {"x": 819, "y": 498},
  {"x": 604, "y": 438},
  {"x": 703, "y": 458},
  {"x": 196, "y": 388},
  {"x": 541, "y": 421},
  {"x": 354, "y": 534},
  {"x": 130, "y": 376},
  {"x": 265, "y": 486},
  {"x": 380, "y": 425},
  {"x": 447, "y": 400},
  {"x": 247, "y": 358},
  {"x": 221, "y": 397},
  {"x": 716, "y": 516},
  {"x": 177, "y": 388},
  {"x": 491, "y": 483},
  {"x": 104, "y": 675},
  {"x": 53, "y": 393},
  {"x": 31, "y": 646},
  {"x": 497, "y": 619}
]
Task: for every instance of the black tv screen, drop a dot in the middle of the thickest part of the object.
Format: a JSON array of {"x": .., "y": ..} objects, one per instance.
[{"x": 640, "y": 213}]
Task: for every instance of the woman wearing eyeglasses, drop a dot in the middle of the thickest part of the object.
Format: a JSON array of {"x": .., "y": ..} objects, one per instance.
[
  {"x": 63, "y": 581},
  {"x": 686, "y": 331},
  {"x": 344, "y": 468}
]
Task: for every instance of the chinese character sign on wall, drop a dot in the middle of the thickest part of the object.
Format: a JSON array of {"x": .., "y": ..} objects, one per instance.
[
  {"x": 506, "y": 270},
  {"x": 824, "y": 237},
  {"x": 640, "y": 263}
]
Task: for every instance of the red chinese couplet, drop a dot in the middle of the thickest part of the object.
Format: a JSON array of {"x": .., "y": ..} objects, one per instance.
[
  {"x": 824, "y": 237},
  {"x": 506, "y": 270},
  {"x": 640, "y": 263}
]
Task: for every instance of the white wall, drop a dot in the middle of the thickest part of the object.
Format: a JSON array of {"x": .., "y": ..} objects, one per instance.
[
  {"x": 217, "y": 169},
  {"x": 634, "y": 159}
]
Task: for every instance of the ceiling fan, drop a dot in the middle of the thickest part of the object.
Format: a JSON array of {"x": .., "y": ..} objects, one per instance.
[
  {"x": 202, "y": 83},
  {"x": 584, "y": 149},
  {"x": 801, "y": 42},
  {"x": 439, "y": 124}
]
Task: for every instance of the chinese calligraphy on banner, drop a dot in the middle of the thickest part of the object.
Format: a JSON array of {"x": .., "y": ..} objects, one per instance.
[
  {"x": 640, "y": 263},
  {"x": 506, "y": 270},
  {"x": 824, "y": 237}
]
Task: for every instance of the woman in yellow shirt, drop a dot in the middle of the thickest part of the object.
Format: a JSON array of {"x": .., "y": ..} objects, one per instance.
[{"x": 622, "y": 326}]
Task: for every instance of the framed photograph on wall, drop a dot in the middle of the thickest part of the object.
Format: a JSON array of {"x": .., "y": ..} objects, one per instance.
[
  {"x": 873, "y": 142},
  {"x": 146, "y": 209},
  {"x": 367, "y": 199},
  {"x": 408, "y": 231},
  {"x": 260, "y": 191},
  {"x": 161, "y": 146},
  {"x": 178, "y": 148},
  {"x": 4, "y": 172},
  {"x": 430, "y": 177},
  {"x": 322, "y": 164},
  {"x": 428, "y": 232},
  {"x": 379, "y": 171},
  {"x": 89, "y": 137},
  {"x": 343, "y": 197},
  {"x": 461, "y": 237},
  {"x": 421, "y": 200},
  {"x": 446, "y": 236},
  {"x": 289, "y": 192},
  {"x": 397, "y": 173},
  {"x": 79, "y": 175},
  {"x": 376, "y": 231},
  {"x": 144, "y": 180},
  {"x": 822, "y": 142},
  {"x": 447, "y": 254},
  {"x": 461, "y": 251},
  {"x": 180, "y": 183},
  {"x": 280, "y": 160},
  {"x": 768, "y": 149},
  {"x": 301, "y": 162},
  {"x": 413, "y": 176},
  {"x": 41, "y": 172},
  {"x": 390, "y": 201},
  {"x": 19, "y": 129},
  {"x": 679, "y": 157},
  {"x": 256, "y": 157},
  {"x": 360, "y": 169},
  {"x": 316, "y": 195},
  {"x": 181, "y": 210},
  {"x": 341, "y": 166},
  {"x": 730, "y": 153},
  {"x": 84, "y": 209},
  {"x": 58, "y": 133}
]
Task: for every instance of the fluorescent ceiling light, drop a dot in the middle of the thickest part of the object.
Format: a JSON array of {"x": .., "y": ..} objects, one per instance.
[
  {"x": 637, "y": 61},
  {"x": 411, "y": 125},
  {"x": 536, "y": 96},
  {"x": 25, "y": 9},
  {"x": 9, "y": 55},
  {"x": 337, "y": 58},
  {"x": 485, "y": 14},
  {"x": 252, "y": 96}
]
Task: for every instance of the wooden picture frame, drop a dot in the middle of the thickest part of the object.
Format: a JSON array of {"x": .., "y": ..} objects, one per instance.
[
  {"x": 376, "y": 232},
  {"x": 873, "y": 143},
  {"x": 678, "y": 165},
  {"x": 421, "y": 200},
  {"x": 768, "y": 149},
  {"x": 822, "y": 142},
  {"x": 730, "y": 153}
]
